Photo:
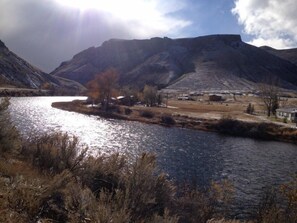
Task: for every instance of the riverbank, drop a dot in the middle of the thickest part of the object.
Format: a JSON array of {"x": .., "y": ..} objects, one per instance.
[
  {"x": 227, "y": 125},
  {"x": 21, "y": 92}
]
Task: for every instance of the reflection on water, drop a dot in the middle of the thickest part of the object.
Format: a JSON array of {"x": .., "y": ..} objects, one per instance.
[{"x": 184, "y": 154}]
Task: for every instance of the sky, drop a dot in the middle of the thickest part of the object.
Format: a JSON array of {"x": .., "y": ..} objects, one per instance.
[{"x": 48, "y": 32}]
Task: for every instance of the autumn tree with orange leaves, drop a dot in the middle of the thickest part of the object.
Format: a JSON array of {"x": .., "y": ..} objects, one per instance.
[{"x": 103, "y": 87}]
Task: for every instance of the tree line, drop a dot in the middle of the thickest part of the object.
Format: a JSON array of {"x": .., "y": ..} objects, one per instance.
[{"x": 105, "y": 87}]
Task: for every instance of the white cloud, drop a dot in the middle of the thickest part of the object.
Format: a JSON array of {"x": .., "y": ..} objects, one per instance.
[{"x": 270, "y": 22}]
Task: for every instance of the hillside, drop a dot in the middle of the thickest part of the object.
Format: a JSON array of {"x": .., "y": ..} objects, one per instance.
[
  {"x": 287, "y": 54},
  {"x": 216, "y": 62},
  {"x": 18, "y": 76},
  {"x": 17, "y": 72}
]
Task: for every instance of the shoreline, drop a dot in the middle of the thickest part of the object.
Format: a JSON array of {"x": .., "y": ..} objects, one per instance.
[{"x": 226, "y": 126}]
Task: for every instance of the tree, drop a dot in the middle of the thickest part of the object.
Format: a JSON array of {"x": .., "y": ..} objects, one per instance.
[
  {"x": 269, "y": 94},
  {"x": 130, "y": 94},
  {"x": 103, "y": 87},
  {"x": 150, "y": 95},
  {"x": 250, "y": 109}
]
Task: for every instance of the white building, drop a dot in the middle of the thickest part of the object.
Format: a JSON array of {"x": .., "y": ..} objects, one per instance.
[{"x": 289, "y": 113}]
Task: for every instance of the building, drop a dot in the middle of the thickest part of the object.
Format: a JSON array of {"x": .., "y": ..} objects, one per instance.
[
  {"x": 185, "y": 97},
  {"x": 289, "y": 113},
  {"x": 215, "y": 97}
]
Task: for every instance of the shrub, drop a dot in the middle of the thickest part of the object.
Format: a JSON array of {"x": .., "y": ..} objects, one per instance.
[
  {"x": 26, "y": 197},
  {"x": 103, "y": 173},
  {"x": 147, "y": 114},
  {"x": 167, "y": 120},
  {"x": 9, "y": 136},
  {"x": 250, "y": 109},
  {"x": 279, "y": 205},
  {"x": 128, "y": 111},
  {"x": 127, "y": 191},
  {"x": 197, "y": 205},
  {"x": 240, "y": 128},
  {"x": 55, "y": 152},
  {"x": 147, "y": 193}
]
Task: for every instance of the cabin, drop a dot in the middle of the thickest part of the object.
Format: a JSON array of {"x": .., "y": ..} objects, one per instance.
[
  {"x": 125, "y": 100},
  {"x": 215, "y": 97},
  {"x": 289, "y": 113}
]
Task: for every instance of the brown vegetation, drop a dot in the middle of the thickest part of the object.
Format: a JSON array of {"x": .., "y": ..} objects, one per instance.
[
  {"x": 52, "y": 179},
  {"x": 103, "y": 87},
  {"x": 66, "y": 186}
]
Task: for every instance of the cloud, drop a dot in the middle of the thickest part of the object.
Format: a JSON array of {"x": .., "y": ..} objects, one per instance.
[
  {"x": 46, "y": 32},
  {"x": 269, "y": 22}
]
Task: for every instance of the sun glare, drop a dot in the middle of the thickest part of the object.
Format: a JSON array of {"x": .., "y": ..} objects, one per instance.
[
  {"x": 128, "y": 9},
  {"x": 149, "y": 16}
]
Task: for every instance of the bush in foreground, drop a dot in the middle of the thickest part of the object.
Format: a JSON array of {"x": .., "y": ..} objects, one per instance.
[
  {"x": 74, "y": 187},
  {"x": 55, "y": 152},
  {"x": 9, "y": 137}
]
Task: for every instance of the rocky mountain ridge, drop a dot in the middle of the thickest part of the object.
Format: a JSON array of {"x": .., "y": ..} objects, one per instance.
[{"x": 215, "y": 62}]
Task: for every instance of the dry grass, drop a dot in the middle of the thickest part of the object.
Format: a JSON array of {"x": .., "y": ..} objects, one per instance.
[
  {"x": 53, "y": 180},
  {"x": 54, "y": 153}
]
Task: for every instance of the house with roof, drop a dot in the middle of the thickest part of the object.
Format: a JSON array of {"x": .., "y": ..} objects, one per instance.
[
  {"x": 215, "y": 97},
  {"x": 289, "y": 113}
]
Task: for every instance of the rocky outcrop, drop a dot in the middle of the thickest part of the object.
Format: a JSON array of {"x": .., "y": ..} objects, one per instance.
[{"x": 218, "y": 62}]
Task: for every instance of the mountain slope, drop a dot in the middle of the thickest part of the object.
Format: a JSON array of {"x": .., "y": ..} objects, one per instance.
[
  {"x": 221, "y": 62},
  {"x": 287, "y": 54},
  {"x": 17, "y": 72},
  {"x": 138, "y": 62}
]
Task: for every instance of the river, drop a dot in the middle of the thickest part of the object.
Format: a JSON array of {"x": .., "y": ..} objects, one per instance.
[{"x": 191, "y": 155}]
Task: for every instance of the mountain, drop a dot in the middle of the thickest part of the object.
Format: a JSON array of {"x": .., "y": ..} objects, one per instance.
[
  {"x": 216, "y": 62},
  {"x": 287, "y": 54},
  {"x": 17, "y": 72}
]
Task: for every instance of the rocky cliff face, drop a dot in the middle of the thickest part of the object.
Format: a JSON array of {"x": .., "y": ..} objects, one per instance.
[
  {"x": 217, "y": 62},
  {"x": 17, "y": 72}
]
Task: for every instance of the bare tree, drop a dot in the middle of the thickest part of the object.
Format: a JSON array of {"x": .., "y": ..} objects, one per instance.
[{"x": 270, "y": 95}]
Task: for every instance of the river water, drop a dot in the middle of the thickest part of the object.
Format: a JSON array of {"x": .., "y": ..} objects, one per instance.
[{"x": 190, "y": 155}]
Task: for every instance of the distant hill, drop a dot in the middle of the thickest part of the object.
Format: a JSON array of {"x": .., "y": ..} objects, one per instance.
[
  {"x": 216, "y": 62},
  {"x": 287, "y": 54},
  {"x": 16, "y": 72}
]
